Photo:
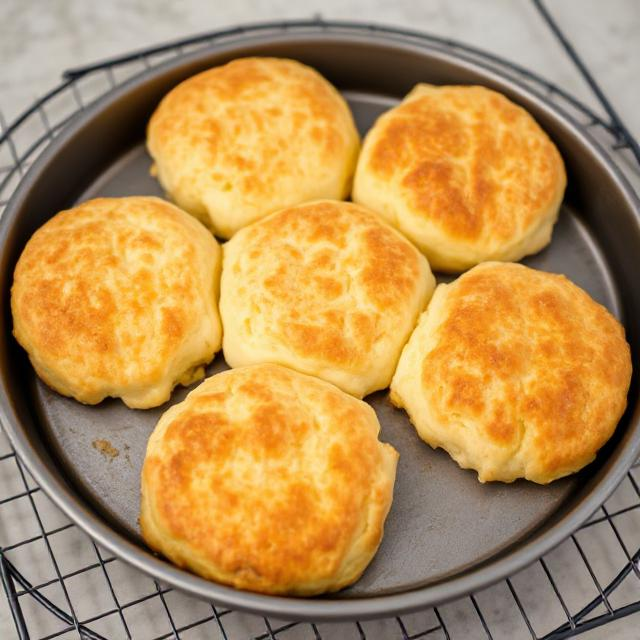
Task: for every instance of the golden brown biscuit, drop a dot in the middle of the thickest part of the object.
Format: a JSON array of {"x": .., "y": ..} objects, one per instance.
[
  {"x": 268, "y": 480},
  {"x": 240, "y": 141},
  {"x": 516, "y": 373},
  {"x": 464, "y": 173},
  {"x": 326, "y": 288},
  {"x": 118, "y": 297}
]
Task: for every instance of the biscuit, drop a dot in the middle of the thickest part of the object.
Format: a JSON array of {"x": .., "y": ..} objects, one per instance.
[
  {"x": 326, "y": 288},
  {"x": 268, "y": 480},
  {"x": 464, "y": 173},
  {"x": 240, "y": 141},
  {"x": 516, "y": 373},
  {"x": 118, "y": 297}
]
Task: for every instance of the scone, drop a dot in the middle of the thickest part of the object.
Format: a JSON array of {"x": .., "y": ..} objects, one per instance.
[
  {"x": 326, "y": 288},
  {"x": 118, "y": 297},
  {"x": 240, "y": 141},
  {"x": 268, "y": 480},
  {"x": 464, "y": 173},
  {"x": 517, "y": 373}
]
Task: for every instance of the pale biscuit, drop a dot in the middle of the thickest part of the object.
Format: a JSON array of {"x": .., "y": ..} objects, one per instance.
[
  {"x": 240, "y": 141},
  {"x": 517, "y": 373},
  {"x": 268, "y": 480},
  {"x": 118, "y": 297},
  {"x": 464, "y": 173},
  {"x": 326, "y": 288}
]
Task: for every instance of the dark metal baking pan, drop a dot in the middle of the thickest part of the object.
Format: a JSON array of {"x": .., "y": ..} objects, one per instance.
[{"x": 446, "y": 535}]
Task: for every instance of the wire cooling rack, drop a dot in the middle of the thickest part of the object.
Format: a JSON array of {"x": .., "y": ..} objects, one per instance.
[{"x": 59, "y": 584}]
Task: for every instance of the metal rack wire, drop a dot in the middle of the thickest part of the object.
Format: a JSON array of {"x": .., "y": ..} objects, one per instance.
[{"x": 591, "y": 579}]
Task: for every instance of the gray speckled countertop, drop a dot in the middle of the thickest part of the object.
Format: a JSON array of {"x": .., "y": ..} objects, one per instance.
[{"x": 40, "y": 39}]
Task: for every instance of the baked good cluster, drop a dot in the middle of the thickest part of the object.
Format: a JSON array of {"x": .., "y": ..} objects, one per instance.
[{"x": 271, "y": 476}]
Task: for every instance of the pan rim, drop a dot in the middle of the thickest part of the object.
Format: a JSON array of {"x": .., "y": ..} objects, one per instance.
[{"x": 333, "y": 609}]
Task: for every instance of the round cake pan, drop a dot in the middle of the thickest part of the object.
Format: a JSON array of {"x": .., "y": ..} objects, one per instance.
[{"x": 447, "y": 535}]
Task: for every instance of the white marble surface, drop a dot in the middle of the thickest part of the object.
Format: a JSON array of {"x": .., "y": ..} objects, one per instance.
[{"x": 40, "y": 39}]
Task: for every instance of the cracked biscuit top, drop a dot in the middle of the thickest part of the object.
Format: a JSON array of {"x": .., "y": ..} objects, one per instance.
[
  {"x": 516, "y": 373},
  {"x": 268, "y": 480},
  {"x": 242, "y": 140},
  {"x": 118, "y": 297},
  {"x": 326, "y": 288},
  {"x": 464, "y": 173}
]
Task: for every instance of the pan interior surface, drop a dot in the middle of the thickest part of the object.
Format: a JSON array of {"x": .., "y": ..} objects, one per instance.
[
  {"x": 446, "y": 533},
  {"x": 442, "y": 520}
]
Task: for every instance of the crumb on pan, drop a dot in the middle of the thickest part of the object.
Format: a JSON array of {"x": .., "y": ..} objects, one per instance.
[{"x": 105, "y": 448}]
